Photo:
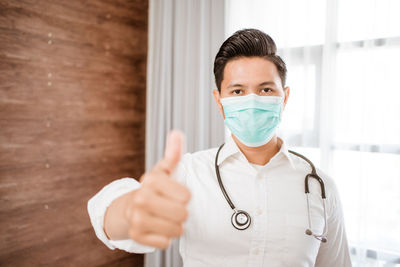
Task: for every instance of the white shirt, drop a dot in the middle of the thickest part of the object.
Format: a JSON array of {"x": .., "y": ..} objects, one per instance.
[{"x": 274, "y": 197}]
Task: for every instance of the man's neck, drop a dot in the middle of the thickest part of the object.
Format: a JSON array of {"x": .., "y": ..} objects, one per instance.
[{"x": 260, "y": 155}]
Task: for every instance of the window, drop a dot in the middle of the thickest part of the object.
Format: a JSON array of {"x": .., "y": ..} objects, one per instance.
[{"x": 343, "y": 59}]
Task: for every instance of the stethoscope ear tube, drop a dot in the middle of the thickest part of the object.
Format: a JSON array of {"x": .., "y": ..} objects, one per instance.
[{"x": 321, "y": 238}]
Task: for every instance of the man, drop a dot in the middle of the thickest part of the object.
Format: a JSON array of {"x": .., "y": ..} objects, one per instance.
[{"x": 264, "y": 221}]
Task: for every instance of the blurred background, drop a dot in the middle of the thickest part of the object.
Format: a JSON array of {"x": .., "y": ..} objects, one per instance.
[
  {"x": 90, "y": 89},
  {"x": 72, "y": 119}
]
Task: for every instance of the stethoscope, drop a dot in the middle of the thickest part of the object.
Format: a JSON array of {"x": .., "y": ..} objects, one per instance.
[{"x": 241, "y": 220}]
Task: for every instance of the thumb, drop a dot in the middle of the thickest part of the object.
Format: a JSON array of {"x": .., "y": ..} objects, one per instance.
[{"x": 173, "y": 150}]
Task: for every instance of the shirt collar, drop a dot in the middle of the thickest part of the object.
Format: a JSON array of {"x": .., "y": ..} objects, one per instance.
[
  {"x": 230, "y": 149},
  {"x": 285, "y": 151}
]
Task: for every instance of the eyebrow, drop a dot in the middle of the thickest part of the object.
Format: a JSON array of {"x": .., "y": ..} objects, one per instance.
[{"x": 261, "y": 84}]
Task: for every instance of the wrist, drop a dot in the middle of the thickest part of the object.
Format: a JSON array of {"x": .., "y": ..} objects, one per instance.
[{"x": 116, "y": 225}]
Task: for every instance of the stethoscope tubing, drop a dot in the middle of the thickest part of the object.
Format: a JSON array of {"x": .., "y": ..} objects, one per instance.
[
  {"x": 221, "y": 185},
  {"x": 313, "y": 174}
]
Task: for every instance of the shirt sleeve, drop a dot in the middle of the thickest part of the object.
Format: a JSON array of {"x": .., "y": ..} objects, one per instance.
[
  {"x": 335, "y": 252},
  {"x": 99, "y": 203},
  {"x": 97, "y": 207}
]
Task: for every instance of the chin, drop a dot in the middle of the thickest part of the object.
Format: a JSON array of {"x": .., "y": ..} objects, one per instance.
[{"x": 272, "y": 140}]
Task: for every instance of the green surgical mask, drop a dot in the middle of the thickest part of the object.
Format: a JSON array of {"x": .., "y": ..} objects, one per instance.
[{"x": 253, "y": 119}]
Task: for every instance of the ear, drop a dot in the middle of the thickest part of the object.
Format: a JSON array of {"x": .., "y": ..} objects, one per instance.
[
  {"x": 217, "y": 98},
  {"x": 286, "y": 90}
]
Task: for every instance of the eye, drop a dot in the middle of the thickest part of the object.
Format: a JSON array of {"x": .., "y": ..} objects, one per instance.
[
  {"x": 237, "y": 91},
  {"x": 267, "y": 90}
]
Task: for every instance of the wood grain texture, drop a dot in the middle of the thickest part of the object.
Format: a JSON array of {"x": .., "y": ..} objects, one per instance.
[{"x": 72, "y": 119}]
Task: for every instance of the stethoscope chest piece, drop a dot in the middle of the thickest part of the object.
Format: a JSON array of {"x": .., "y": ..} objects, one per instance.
[{"x": 240, "y": 219}]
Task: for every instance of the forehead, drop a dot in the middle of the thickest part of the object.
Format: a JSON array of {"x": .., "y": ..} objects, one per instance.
[{"x": 250, "y": 71}]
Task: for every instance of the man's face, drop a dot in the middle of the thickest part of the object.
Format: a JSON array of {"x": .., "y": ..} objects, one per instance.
[{"x": 248, "y": 75}]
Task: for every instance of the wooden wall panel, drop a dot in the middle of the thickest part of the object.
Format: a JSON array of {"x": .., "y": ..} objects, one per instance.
[{"x": 72, "y": 119}]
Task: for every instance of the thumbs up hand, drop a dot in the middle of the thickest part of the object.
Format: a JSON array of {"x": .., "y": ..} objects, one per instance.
[{"x": 155, "y": 213}]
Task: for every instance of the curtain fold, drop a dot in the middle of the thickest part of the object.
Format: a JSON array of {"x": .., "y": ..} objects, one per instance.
[{"x": 184, "y": 37}]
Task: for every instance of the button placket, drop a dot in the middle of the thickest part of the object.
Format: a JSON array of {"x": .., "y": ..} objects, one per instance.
[{"x": 257, "y": 245}]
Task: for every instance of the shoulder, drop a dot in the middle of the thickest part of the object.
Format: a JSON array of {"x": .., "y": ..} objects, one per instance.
[
  {"x": 331, "y": 190},
  {"x": 329, "y": 183},
  {"x": 334, "y": 208},
  {"x": 199, "y": 158},
  {"x": 199, "y": 162}
]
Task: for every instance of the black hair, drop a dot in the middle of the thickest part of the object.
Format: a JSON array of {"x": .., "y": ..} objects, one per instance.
[{"x": 247, "y": 43}]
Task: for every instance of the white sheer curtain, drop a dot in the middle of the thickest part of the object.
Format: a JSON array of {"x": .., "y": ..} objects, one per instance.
[
  {"x": 343, "y": 60},
  {"x": 184, "y": 37}
]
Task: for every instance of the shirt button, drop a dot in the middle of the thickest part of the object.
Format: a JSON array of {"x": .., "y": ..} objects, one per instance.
[{"x": 256, "y": 251}]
